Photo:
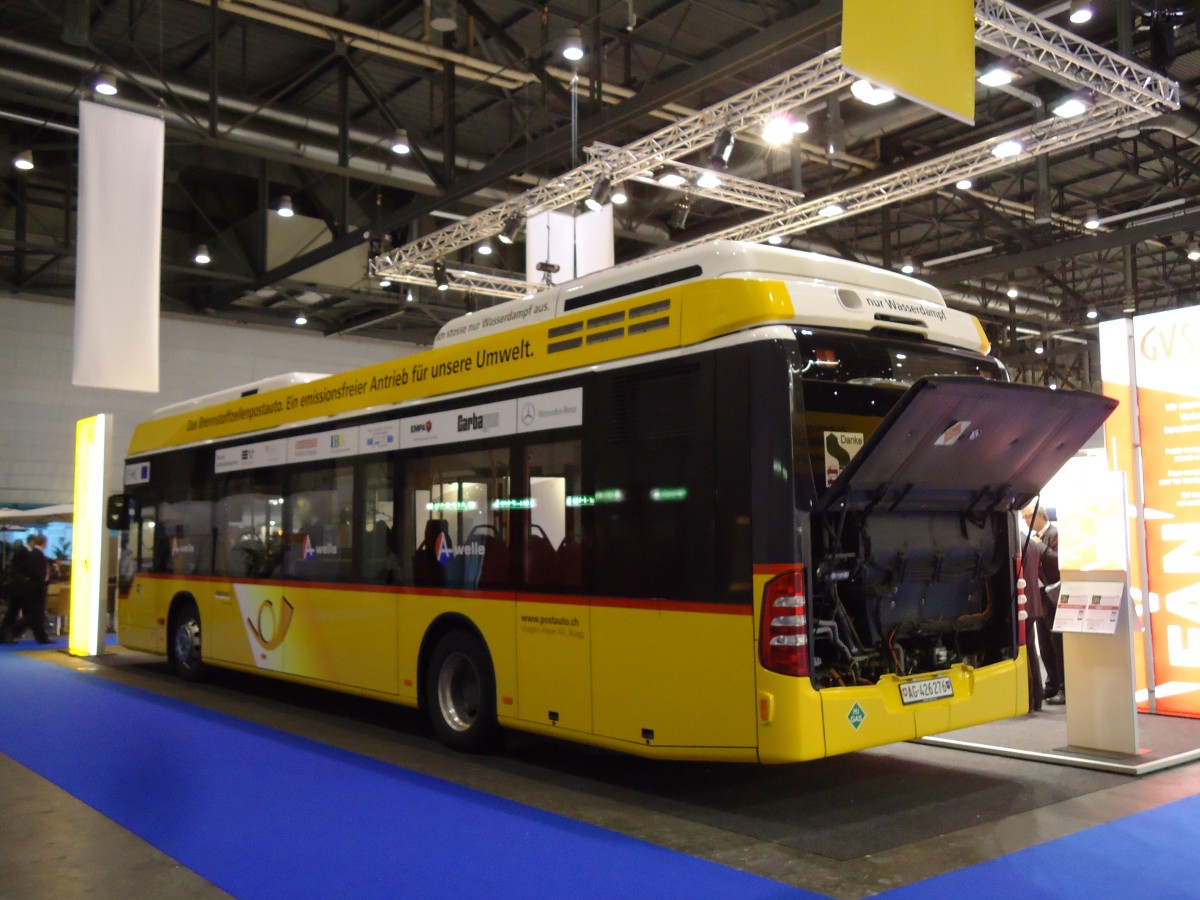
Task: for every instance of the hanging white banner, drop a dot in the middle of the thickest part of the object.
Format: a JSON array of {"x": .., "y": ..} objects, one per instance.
[{"x": 119, "y": 246}]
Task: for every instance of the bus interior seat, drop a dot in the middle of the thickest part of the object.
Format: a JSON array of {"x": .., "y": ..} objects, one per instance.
[
  {"x": 484, "y": 559},
  {"x": 540, "y": 558},
  {"x": 426, "y": 568}
]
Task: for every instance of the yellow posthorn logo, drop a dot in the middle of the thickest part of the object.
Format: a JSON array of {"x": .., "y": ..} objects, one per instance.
[{"x": 270, "y": 633}]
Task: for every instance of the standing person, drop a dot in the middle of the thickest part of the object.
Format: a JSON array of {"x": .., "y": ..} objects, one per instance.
[
  {"x": 16, "y": 588},
  {"x": 32, "y": 592},
  {"x": 1045, "y": 534},
  {"x": 1036, "y": 632}
]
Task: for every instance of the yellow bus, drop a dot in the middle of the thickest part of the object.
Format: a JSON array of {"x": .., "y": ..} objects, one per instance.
[{"x": 738, "y": 503}]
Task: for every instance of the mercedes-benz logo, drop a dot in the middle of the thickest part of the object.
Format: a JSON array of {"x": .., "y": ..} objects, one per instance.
[{"x": 527, "y": 414}]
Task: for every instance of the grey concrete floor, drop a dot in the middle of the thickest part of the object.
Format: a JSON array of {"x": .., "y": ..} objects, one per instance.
[{"x": 847, "y": 828}]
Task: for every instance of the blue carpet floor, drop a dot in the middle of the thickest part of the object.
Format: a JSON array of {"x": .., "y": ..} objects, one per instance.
[{"x": 262, "y": 813}]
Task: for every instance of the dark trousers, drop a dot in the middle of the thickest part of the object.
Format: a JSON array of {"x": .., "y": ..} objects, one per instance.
[
  {"x": 1050, "y": 647},
  {"x": 29, "y": 599}
]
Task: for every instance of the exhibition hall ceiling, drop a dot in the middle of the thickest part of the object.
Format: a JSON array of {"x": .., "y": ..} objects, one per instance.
[{"x": 271, "y": 99}]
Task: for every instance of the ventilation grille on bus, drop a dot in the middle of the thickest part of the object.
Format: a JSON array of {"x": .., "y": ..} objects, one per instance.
[{"x": 609, "y": 326}]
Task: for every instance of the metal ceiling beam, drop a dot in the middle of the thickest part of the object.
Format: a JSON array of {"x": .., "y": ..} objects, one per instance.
[
  {"x": 991, "y": 264},
  {"x": 653, "y": 98}
]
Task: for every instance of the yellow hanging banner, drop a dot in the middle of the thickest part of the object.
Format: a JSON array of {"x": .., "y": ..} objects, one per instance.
[{"x": 923, "y": 50}]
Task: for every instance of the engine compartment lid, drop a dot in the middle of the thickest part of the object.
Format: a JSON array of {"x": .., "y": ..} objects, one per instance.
[{"x": 967, "y": 445}]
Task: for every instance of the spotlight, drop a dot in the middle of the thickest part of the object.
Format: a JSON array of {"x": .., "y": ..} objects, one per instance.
[
  {"x": 708, "y": 180},
  {"x": 408, "y": 295},
  {"x": 1070, "y": 106},
  {"x": 679, "y": 214},
  {"x": 23, "y": 160},
  {"x": 301, "y": 319},
  {"x": 440, "y": 276},
  {"x": 998, "y": 74},
  {"x": 870, "y": 94},
  {"x": 619, "y": 197},
  {"x": 908, "y": 266},
  {"x": 385, "y": 282},
  {"x": 285, "y": 207},
  {"x": 1193, "y": 252},
  {"x": 800, "y": 124},
  {"x": 1007, "y": 149},
  {"x": 202, "y": 258},
  {"x": 964, "y": 184},
  {"x": 442, "y": 15},
  {"x": 774, "y": 240},
  {"x": 778, "y": 130},
  {"x": 400, "y": 144},
  {"x": 1092, "y": 312},
  {"x": 1039, "y": 349},
  {"x": 831, "y": 210},
  {"x": 669, "y": 177},
  {"x": 484, "y": 248},
  {"x": 1012, "y": 292},
  {"x": 1081, "y": 11},
  {"x": 722, "y": 148},
  {"x": 601, "y": 194},
  {"x": 573, "y": 45},
  {"x": 512, "y": 227},
  {"x": 1092, "y": 222},
  {"x": 105, "y": 81}
]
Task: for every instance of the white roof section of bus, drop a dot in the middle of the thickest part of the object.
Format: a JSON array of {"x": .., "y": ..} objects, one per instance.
[
  {"x": 242, "y": 390},
  {"x": 813, "y": 281}
]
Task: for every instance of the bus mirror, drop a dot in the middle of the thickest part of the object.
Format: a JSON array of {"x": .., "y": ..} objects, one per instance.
[{"x": 121, "y": 508}]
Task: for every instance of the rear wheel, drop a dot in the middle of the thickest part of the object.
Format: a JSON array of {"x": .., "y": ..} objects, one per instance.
[
  {"x": 183, "y": 643},
  {"x": 461, "y": 693}
]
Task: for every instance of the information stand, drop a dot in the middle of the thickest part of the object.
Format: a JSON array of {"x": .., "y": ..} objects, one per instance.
[{"x": 1095, "y": 618}]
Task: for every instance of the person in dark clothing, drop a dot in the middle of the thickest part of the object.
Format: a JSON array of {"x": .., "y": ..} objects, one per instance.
[
  {"x": 1045, "y": 535},
  {"x": 14, "y": 586},
  {"x": 32, "y": 580}
]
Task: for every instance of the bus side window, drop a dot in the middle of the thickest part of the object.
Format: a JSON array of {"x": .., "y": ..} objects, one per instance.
[
  {"x": 553, "y": 558},
  {"x": 379, "y": 562}
]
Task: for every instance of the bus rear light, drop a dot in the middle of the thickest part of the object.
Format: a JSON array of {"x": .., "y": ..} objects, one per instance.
[{"x": 783, "y": 641}]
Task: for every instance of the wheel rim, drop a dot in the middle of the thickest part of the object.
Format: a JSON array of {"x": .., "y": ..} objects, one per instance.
[
  {"x": 187, "y": 643},
  {"x": 458, "y": 692}
]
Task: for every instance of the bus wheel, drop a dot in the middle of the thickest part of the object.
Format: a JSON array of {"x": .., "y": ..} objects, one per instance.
[
  {"x": 461, "y": 693},
  {"x": 183, "y": 643}
]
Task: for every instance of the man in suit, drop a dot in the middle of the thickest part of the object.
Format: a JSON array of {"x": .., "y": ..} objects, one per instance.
[
  {"x": 30, "y": 594},
  {"x": 1045, "y": 534},
  {"x": 14, "y": 587}
]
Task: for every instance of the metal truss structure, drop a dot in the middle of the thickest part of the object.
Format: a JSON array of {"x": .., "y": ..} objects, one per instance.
[{"x": 1125, "y": 94}]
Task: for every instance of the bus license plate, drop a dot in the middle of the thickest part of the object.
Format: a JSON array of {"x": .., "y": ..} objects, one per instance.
[{"x": 923, "y": 691}]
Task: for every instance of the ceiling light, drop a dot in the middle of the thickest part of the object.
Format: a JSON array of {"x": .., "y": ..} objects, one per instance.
[
  {"x": 1070, "y": 106},
  {"x": 440, "y": 276},
  {"x": 1081, "y": 11},
  {"x": 400, "y": 144},
  {"x": 1130, "y": 306},
  {"x": 1193, "y": 252},
  {"x": 722, "y": 148},
  {"x": 601, "y": 194},
  {"x": 285, "y": 207},
  {"x": 998, "y": 74},
  {"x": 1092, "y": 312},
  {"x": 800, "y": 124},
  {"x": 833, "y": 209},
  {"x": 385, "y": 282},
  {"x": 442, "y": 15},
  {"x": 708, "y": 180},
  {"x": 1092, "y": 221},
  {"x": 1039, "y": 349},
  {"x": 408, "y": 295},
  {"x": 23, "y": 160},
  {"x": 778, "y": 130},
  {"x": 301, "y": 319},
  {"x": 202, "y": 258},
  {"x": 870, "y": 94},
  {"x": 105, "y": 81},
  {"x": 964, "y": 184},
  {"x": 775, "y": 240},
  {"x": 484, "y": 248},
  {"x": 573, "y": 45},
  {"x": 668, "y": 176},
  {"x": 908, "y": 266},
  {"x": 619, "y": 197},
  {"x": 1007, "y": 149},
  {"x": 679, "y": 215},
  {"x": 1012, "y": 292},
  {"x": 512, "y": 227}
]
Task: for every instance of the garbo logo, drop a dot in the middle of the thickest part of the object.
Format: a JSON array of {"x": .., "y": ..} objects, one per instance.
[
  {"x": 1167, "y": 343},
  {"x": 270, "y": 634}
]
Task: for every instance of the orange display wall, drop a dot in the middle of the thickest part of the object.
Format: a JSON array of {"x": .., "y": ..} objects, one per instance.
[{"x": 1151, "y": 364}]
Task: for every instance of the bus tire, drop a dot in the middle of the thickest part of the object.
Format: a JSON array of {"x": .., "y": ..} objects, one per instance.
[
  {"x": 461, "y": 693},
  {"x": 183, "y": 643}
]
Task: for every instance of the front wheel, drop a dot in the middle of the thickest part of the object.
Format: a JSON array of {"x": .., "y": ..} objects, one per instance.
[
  {"x": 460, "y": 691},
  {"x": 183, "y": 643}
]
